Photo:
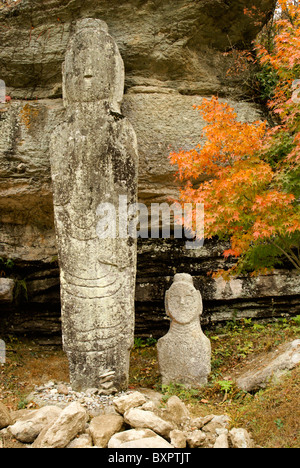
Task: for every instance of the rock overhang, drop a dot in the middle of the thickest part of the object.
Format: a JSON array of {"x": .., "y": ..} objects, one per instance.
[{"x": 157, "y": 39}]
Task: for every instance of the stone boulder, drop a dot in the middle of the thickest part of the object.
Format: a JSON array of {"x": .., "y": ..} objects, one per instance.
[
  {"x": 5, "y": 417},
  {"x": 195, "y": 439},
  {"x": 81, "y": 441},
  {"x": 103, "y": 427},
  {"x": 216, "y": 423},
  {"x": 29, "y": 426},
  {"x": 72, "y": 427},
  {"x": 6, "y": 289},
  {"x": 139, "y": 418},
  {"x": 240, "y": 438},
  {"x": 177, "y": 412},
  {"x": 222, "y": 441},
  {"x": 126, "y": 402},
  {"x": 178, "y": 438},
  {"x": 269, "y": 367},
  {"x": 66, "y": 427},
  {"x": 138, "y": 438},
  {"x": 149, "y": 442}
]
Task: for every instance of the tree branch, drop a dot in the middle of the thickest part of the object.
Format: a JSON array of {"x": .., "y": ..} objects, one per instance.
[{"x": 297, "y": 266}]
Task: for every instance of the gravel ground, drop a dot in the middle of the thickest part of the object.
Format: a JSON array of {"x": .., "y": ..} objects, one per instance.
[{"x": 61, "y": 394}]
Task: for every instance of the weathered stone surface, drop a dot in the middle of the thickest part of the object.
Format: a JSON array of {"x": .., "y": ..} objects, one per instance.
[
  {"x": 5, "y": 417},
  {"x": 138, "y": 438},
  {"x": 26, "y": 205},
  {"x": 163, "y": 117},
  {"x": 93, "y": 163},
  {"x": 28, "y": 428},
  {"x": 178, "y": 438},
  {"x": 195, "y": 439},
  {"x": 148, "y": 442},
  {"x": 2, "y": 352},
  {"x": 125, "y": 402},
  {"x": 160, "y": 41},
  {"x": 209, "y": 429},
  {"x": 240, "y": 438},
  {"x": 216, "y": 423},
  {"x": 154, "y": 397},
  {"x": 70, "y": 422},
  {"x": 184, "y": 353},
  {"x": 117, "y": 440},
  {"x": 63, "y": 389},
  {"x": 82, "y": 441},
  {"x": 222, "y": 441},
  {"x": 103, "y": 427},
  {"x": 6, "y": 290},
  {"x": 138, "y": 418},
  {"x": 177, "y": 411},
  {"x": 269, "y": 367}
]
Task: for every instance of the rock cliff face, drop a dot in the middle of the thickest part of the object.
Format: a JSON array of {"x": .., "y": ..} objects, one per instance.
[
  {"x": 173, "y": 54},
  {"x": 164, "y": 43}
]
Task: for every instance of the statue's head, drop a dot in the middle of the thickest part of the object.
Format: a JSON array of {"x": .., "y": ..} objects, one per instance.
[
  {"x": 183, "y": 301},
  {"x": 93, "y": 69}
]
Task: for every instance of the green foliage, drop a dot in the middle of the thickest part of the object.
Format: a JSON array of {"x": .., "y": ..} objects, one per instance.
[
  {"x": 280, "y": 147},
  {"x": 260, "y": 255},
  {"x": 247, "y": 322},
  {"x": 179, "y": 390},
  {"x": 7, "y": 266},
  {"x": 263, "y": 255},
  {"x": 296, "y": 320},
  {"x": 22, "y": 404},
  {"x": 290, "y": 181},
  {"x": 141, "y": 343},
  {"x": 244, "y": 349},
  {"x": 279, "y": 423},
  {"x": 287, "y": 177},
  {"x": 258, "y": 327},
  {"x": 226, "y": 386},
  {"x": 267, "y": 79}
]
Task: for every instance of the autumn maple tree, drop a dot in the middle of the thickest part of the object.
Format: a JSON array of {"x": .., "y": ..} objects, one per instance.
[{"x": 251, "y": 186}]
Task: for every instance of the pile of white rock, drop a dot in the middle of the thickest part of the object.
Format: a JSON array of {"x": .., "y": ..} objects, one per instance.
[
  {"x": 61, "y": 394},
  {"x": 134, "y": 420}
]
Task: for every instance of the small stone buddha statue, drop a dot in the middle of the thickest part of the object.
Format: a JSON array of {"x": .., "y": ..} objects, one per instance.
[{"x": 184, "y": 353}]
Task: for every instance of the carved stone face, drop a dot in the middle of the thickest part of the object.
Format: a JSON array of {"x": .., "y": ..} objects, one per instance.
[
  {"x": 183, "y": 303},
  {"x": 93, "y": 69}
]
